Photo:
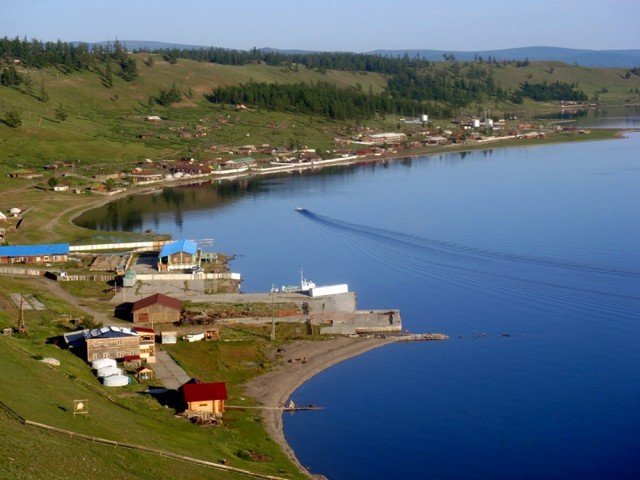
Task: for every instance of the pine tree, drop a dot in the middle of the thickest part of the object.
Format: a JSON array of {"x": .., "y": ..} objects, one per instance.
[
  {"x": 60, "y": 113},
  {"x": 13, "y": 119},
  {"x": 108, "y": 76},
  {"x": 44, "y": 95}
]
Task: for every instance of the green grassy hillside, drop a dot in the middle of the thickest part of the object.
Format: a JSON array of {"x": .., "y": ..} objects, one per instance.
[
  {"x": 103, "y": 124},
  {"x": 45, "y": 394}
]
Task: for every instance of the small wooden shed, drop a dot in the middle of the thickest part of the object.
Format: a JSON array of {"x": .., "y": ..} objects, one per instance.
[
  {"x": 132, "y": 361},
  {"x": 207, "y": 398},
  {"x": 157, "y": 308},
  {"x": 212, "y": 334},
  {"x": 169, "y": 337}
]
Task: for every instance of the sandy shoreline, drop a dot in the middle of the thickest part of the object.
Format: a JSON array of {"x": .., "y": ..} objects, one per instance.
[{"x": 275, "y": 387}]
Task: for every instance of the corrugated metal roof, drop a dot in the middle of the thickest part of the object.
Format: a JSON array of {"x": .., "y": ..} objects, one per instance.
[
  {"x": 165, "y": 300},
  {"x": 184, "y": 245},
  {"x": 109, "y": 332},
  {"x": 34, "y": 250}
]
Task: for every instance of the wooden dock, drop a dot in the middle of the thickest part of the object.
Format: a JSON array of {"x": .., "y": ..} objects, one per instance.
[
  {"x": 422, "y": 337},
  {"x": 283, "y": 408}
]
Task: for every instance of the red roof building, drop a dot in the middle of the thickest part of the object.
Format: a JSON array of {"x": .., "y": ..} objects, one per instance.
[{"x": 205, "y": 397}]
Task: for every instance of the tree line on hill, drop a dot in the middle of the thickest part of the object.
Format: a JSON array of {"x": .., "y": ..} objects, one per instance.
[
  {"x": 414, "y": 85},
  {"x": 322, "y": 98},
  {"x": 67, "y": 57},
  {"x": 410, "y": 83}
]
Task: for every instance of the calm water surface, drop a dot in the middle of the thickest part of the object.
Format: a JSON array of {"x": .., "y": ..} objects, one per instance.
[{"x": 538, "y": 243}]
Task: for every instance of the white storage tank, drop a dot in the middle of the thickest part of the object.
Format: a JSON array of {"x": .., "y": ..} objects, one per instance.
[
  {"x": 103, "y": 362},
  {"x": 108, "y": 371},
  {"x": 476, "y": 123},
  {"x": 115, "y": 381}
]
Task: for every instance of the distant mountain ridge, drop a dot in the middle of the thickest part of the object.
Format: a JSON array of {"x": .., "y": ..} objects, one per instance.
[{"x": 584, "y": 57}]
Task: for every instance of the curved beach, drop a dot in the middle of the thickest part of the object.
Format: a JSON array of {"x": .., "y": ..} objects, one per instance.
[{"x": 275, "y": 387}]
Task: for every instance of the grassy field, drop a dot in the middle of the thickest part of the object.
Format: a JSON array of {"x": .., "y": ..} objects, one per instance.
[
  {"x": 103, "y": 125},
  {"x": 45, "y": 394},
  {"x": 101, "y": 131}
]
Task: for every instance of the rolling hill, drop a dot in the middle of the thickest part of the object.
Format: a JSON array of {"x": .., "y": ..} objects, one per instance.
[{"x": 583, "y": 57}]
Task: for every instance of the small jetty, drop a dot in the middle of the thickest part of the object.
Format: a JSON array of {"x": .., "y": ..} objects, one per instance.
[
  {"x": 422, "y": 337},
  {"x": 289, "y": 407}
]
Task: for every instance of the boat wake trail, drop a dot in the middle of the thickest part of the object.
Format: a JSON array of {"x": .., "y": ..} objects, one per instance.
[
  {"x": 540, "y": 282},
  {"x": 457, "y": 250}
]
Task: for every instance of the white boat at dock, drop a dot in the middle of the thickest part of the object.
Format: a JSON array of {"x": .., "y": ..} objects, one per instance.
[{"x": 305, "y": 285}]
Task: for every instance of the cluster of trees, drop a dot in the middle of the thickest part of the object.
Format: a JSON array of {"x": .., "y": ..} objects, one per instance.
[
  {"x": 549, "y": 91},
  {"x": 167, "y": 97},
  {"x": 454, "y": 87},
  {"x": 315, "y": 60},
  {"x": 321, "y": 98},
  {"x": 9, "y": 77},
  {"x": 67, "y": 56}
]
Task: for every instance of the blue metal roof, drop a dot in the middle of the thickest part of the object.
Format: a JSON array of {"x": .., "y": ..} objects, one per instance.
[
  {"x": 34, "y": 250},
  {"x": 184, "y": 245}
]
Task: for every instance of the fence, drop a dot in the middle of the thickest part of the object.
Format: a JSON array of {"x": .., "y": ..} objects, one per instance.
[
  {"x": 154, "y": 451},
  {"x": 188, "y": 276},
  {"x": 21, "y": 271}
]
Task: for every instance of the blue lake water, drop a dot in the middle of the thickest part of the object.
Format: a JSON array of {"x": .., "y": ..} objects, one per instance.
[{"x": 538, "y": 243}]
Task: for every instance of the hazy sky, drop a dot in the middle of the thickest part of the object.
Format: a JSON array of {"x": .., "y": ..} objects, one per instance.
[{"x": 353, "y": 25}]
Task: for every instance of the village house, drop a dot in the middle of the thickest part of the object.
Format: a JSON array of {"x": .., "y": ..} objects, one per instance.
[
  {"x": 110, "y": 342},
  {"x": 246, "y": 150},
  {"x": 181, "y": 255},
  {"x": 156, "y": 308},
  {"x": 435, "y": 140},
  {"x": 381, "y": 138},
  {"x": 147, "y": 342},
  {"x": 205, "y": 398},
  {"x": 240, "y": 163},
  {"x": 153, "y": 118},
  {"x": 139, "y": 175},
  {"x": 310, "y": 157},
  {"x": 58, "y": 252},
  {"x": 28, "y": 174},
  {"x": 191, "y": 168},
  {"x": 61, "y": 188}
]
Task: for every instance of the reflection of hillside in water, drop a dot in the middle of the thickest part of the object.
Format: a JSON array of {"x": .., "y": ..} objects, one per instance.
[{"x": 133, "y": 212}]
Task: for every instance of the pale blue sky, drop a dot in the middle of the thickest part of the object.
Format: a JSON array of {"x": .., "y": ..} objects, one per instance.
[{"x": 354, "y": 25}]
